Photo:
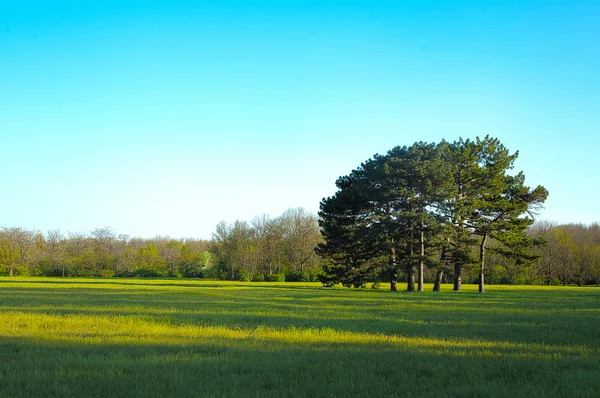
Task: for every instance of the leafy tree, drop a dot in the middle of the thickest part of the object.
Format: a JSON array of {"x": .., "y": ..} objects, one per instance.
[{"x": 150, "y": 262}]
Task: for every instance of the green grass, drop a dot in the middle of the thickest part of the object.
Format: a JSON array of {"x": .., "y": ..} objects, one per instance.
[{"x": 134, "y": 337}]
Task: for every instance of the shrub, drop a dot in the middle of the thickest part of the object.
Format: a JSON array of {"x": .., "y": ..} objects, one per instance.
[
  {"x": 275, "y": 278},
  {"x": 308, "y": 275},
  {"x": 148, "y": 273},
  {"x": 105, "y": 273},
  {"x": 36, "y": 272},
  {"x": 244, "y": 275}
]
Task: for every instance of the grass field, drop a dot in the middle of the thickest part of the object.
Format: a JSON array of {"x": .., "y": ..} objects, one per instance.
[{"x": 179, "y": 338}]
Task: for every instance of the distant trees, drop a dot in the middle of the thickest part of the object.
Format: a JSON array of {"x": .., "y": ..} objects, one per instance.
[
  {"x": 100, "y": 253},
  {"x": 570, "y": 255},
  {"x": 267, "y": 248},
  {"x": 427, "y": 205},
  {"x": 16, "y": 247}
]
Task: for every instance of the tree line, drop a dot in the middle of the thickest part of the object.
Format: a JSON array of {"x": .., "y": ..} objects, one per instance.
[
  {"x": 569, "y": 254},
  {"x": 101, "y": 253},
  {"x": 264, "y": 249}
]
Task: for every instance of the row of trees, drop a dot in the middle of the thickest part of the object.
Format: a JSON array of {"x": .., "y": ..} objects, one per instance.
[
  {"x": 570, "y": 254},
  {"x": 265, "y": 248},
  {"x": 101, "y": 253},
  {"x": 441, "y": 207}
]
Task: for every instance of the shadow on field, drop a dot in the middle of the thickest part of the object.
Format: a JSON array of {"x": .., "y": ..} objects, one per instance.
[
  {"x": 498, "y": 317},
  {"x": 517, "y": 329},
  {"x": 259, "y": 367}
]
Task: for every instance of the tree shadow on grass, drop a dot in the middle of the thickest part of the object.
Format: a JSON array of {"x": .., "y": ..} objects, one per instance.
[
  {"x": 515, "y": 329},
  {"x": 261, "y": 367}
]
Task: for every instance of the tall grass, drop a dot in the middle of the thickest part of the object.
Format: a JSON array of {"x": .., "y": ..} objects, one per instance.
[{"x": 111, "y": 337}]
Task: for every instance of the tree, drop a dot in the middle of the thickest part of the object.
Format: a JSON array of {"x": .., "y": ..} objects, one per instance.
[
  {"x": 301, "y": 235},
  {"x": 150, "y": 262},
  {"x": 358, "y": 230},
  {"x": 387, "y": 208},
  {"x": 489, "y": 203},
  {"x": 55, "y": 251},
  {"x": 425, "y": 185},
  {"x": 16, "y": 245},
  {"x": 103, "y": 246},
  {"x": 234, "y": 247},
  {"x": 425, "y": 205}
]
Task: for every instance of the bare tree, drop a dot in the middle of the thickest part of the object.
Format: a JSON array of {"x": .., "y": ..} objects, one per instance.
[
  {"x": 55, "y": 249},
  {"x": 16, "y": 245}
]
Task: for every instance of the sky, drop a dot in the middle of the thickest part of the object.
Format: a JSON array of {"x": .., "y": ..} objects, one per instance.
[{"x": 166, "y": 117}]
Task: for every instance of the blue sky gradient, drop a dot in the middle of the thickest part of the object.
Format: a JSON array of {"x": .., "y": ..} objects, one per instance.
[{"x": 165, "y": 117}]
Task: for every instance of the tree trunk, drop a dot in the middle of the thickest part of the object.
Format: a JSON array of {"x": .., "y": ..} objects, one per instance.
[
  {"x": 457, "y": 277},
  {"x": 482, "y": 263},
  {"x": 439, "y": 275},
  {"x": 410, "y": 280},
  {"x": 438, "y": 280},
  {"x": 422, "y": 257},
  {"x": 410, "y": 268},
  {"x": 393, "y": 281},
  {"x": 392, "y": 266}
]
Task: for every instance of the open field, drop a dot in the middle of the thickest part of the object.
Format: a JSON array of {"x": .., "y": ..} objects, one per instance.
[{"x": 133, "y": 337}]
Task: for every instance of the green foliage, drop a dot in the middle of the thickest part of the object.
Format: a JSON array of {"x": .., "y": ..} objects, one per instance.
[
  {"x": 275, "y": 278},
  {"x": 150, "y": 263},
  {"x": 307, "y": 275},
  {"x": 245, "y": 275},
  {"x": 105, "y": 273},
  {"x": 426, "y": 205}
]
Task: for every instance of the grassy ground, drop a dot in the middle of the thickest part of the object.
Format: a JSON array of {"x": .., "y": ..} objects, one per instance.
[{"x": 130, "y": 338}]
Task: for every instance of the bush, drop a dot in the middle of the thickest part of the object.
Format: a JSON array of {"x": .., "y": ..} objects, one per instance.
[
  {"x": 275, "y": 278},
  {"x": 309, "y": 275},
  {"x": 36, "y": 272},
  {"x": 147, "y": 273},
  {"x": 105, "y": 273},
  {"x": 295, "y": 277},
  {"x": 244, "y": 275}
]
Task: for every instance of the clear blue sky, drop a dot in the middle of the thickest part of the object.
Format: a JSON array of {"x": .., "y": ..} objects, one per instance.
[{"x": 165, "y": 117}]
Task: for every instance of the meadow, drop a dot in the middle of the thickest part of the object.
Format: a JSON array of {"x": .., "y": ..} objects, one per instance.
[{"x": 179, "y": 338}]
